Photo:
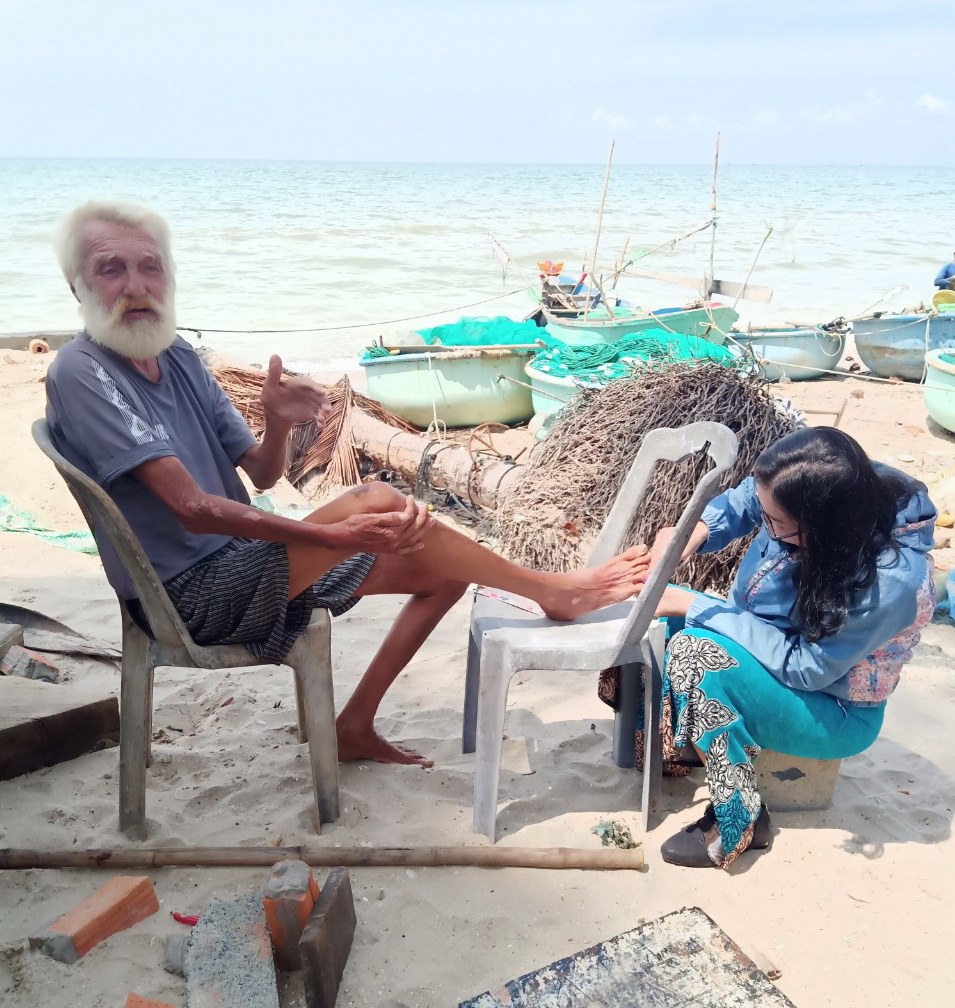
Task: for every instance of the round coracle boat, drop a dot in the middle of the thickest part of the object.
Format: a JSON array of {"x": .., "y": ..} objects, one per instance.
[{"x": 939, "y": 390}]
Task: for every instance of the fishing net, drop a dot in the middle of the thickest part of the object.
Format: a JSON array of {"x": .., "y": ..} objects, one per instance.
[
  {"x": 557, "y": 506},
  {"x": 497, "y": 331},
  {"x": 604, "y": 361}
]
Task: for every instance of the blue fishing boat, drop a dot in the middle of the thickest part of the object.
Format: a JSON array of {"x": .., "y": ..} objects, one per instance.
[
  {"x": 792, "y": 352},
  {"x": 894, "y": 346}
]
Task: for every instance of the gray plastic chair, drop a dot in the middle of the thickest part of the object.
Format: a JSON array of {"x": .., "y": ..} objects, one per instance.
[
  {"x": 171, "y": 644},
  {"x": 505, "y": 639}
]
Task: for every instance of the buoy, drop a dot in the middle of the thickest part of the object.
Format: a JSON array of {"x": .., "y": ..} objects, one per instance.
[{"x": 38, "y": 346}]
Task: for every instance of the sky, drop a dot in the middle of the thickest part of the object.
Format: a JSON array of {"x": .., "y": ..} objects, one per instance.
[{"x": 540, "y": 81}]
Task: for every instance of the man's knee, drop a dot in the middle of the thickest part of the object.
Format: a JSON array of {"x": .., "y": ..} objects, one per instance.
[{"x": 378, "y": 497}]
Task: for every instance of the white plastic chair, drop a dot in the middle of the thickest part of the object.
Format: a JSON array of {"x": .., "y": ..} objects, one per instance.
[
  {"x": 505, "y": 639},
  {"x": 172, "y": 644}
]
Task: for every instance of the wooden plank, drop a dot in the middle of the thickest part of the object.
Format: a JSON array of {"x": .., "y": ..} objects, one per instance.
[
  {"x": 677, "y": 960},
  {"x": 327, "y": 940},
  {"x": 42, "y": 724}
]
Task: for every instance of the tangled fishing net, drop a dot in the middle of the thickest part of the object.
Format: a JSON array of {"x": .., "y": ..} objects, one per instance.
[{"x": 557, "y": 506}]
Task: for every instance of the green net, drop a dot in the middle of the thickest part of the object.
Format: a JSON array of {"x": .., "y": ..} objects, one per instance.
[
  {"x": 497, "y": 331},
  {"x": 13, "y": 520},
  {"x": 602, "y": 362}
]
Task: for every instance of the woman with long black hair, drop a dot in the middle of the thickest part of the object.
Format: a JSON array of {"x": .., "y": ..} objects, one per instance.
[{"x": 825, "y": 610}]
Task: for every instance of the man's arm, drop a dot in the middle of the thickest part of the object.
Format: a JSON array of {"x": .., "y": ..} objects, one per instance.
[
  {"x": 201, "y": 512},
  {"x": 287, "y": 401},
  {"x": 944, "y": 275}
]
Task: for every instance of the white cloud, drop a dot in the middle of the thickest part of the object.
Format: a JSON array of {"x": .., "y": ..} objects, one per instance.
[
  {"x": 847, "y": 113},
  {"x": 764, "y": 119},
  {"x": 930, "y": 104},
  {"x": 612, "y": 119}
]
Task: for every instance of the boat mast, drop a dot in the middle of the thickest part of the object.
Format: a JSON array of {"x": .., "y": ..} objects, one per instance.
[
  {"x": 712, "y": 272},
  {"x": 600, "y": 217}
]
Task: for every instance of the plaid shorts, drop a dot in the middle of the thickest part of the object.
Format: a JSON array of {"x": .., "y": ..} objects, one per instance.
[{"x": 239, "y": 595}]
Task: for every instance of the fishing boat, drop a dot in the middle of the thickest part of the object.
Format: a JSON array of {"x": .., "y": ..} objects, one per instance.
[
  {"x": 580, "y": 316},
  {"x": 895, "y": 346},
  {"x": 794, "y": 353},
  {"x": 457, "y": 386},
  {"x": 939, "y": 390}
]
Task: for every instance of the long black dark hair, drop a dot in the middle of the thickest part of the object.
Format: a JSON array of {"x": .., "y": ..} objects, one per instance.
[{"x": 846, "y": 511}]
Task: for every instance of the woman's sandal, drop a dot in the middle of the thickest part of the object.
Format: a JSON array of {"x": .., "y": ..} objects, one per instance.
[{"x": 688, "y": 847}]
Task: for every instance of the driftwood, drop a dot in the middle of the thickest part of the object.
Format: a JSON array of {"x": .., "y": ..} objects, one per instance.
[
  {"x": 450, "y": 465},
  {"x": 344, "y": 857}
]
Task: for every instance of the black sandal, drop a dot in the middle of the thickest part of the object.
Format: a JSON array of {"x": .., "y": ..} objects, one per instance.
[{"x": 688, "y": 848}]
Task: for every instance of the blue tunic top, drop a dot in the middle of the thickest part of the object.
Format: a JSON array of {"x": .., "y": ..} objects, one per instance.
[{"x": 860, "y": 662}]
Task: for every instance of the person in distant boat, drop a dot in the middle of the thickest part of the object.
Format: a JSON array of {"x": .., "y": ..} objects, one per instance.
[
  {"x": 946, "y": 276},
  {"x": 825, "y": 610},
  {"x": 131, "y": 404}
]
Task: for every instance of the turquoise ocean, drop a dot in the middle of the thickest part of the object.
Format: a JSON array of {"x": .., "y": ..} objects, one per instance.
[{"x": 357, "y": 251}]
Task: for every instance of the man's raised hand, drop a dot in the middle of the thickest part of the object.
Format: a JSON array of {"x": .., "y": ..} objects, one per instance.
[{"x": 290, "y": 400}]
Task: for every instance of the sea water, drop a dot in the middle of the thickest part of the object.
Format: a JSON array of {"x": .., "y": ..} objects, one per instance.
[{"x": 357, "y": 252}]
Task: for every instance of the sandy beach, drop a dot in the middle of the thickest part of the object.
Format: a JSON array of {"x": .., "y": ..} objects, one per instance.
[{"x": 853, "y": 905}]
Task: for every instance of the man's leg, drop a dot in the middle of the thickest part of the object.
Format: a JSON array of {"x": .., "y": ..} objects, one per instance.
[
  {"x": 436, "y": 576},
  {"x": 448, "y": 555}
]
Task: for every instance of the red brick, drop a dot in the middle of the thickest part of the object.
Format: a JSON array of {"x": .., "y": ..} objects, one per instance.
[{"x": 121, "y": 903}]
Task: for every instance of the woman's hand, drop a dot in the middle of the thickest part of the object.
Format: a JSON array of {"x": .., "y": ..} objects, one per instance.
[
  {"x": 675, "y": 602},
  {"x": 698, "y": 536}
]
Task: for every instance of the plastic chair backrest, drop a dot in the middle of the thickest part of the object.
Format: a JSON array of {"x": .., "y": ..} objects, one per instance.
[
  {"x": 102, "y": 515},
  {"x": 664, "y": 444}
]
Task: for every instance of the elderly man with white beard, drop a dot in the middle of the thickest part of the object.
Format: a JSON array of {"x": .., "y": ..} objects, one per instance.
[{"x": 131, "y": 404}]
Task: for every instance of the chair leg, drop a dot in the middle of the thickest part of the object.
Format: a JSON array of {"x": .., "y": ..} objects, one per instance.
[
  {"x": 134, "y": 722},
  {"x": 495, "y": 680},
  {"x": 625, "y": 719},
  {"x": 300, "y": 707},
  {"x": 312, "y": 663},
  {"x": 151, "y": 674},
  {"x": 472, "y": 687},
  {"x": 652, "y": 755}
]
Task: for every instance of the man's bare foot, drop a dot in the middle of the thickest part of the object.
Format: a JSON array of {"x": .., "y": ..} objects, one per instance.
[
  {"x": 368, "y": 744},
  {"x": 595, "y": 587}
]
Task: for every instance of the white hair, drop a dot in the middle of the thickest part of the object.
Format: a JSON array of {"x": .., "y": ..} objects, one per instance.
[{"x": 69, "y": 236}]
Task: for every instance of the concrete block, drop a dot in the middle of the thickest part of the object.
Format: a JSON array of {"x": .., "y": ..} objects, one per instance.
[
  {"x": 792, "y": 784},
  {"x": 229, "y": 957},
  {"x": 10, "y": 634},
  {"x": 174, "y": 954},
  {"x": 138, "y": 1001},
  {"x": 289, "y": 897},
  {"x": 121, "y": 903},
  {"x": 327, "y": 940},
  {"x": 21, "y": 661}
]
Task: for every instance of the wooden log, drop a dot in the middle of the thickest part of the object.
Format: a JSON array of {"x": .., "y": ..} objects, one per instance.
[
  {"x": 481, "y": 481},
  {"x": 609, "y": 858},
  {"x": 42, "y": 724}
]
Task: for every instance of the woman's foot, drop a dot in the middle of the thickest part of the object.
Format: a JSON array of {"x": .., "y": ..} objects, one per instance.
[
  {"x": 698, "y": 846},
  {"x": 595, "y": 587}
]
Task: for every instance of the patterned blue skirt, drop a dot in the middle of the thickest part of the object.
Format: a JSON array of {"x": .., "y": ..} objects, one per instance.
[{"x": 717, "y": 697}]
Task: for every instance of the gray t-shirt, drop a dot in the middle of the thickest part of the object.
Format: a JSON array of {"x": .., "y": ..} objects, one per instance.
[{"x": 107, "y": 419}]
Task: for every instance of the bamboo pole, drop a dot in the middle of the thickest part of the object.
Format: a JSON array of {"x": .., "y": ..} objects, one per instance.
[
  {"x": 609, "y": 858},
  {"x": 716, "y": 165},
  {"x": 600, "y": 218}
]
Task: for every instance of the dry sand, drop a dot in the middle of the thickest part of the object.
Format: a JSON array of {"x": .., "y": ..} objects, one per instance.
[{"x": 853, "y": 905}]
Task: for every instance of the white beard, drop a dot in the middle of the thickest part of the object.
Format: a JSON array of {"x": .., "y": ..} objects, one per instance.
[{"x": 136, "y": 339}]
